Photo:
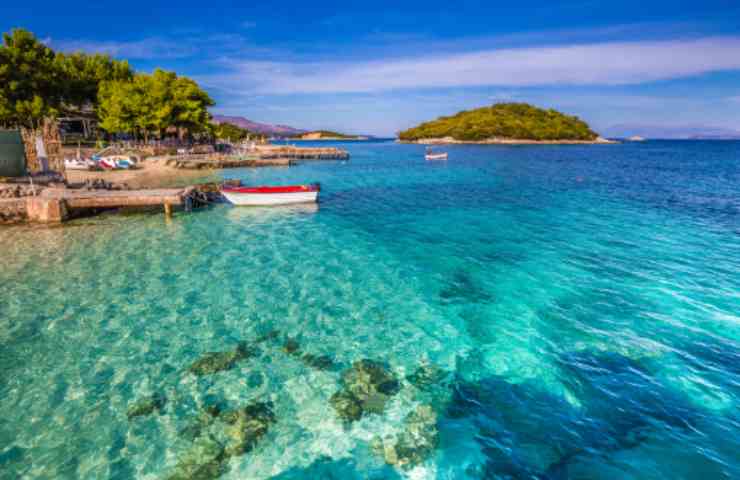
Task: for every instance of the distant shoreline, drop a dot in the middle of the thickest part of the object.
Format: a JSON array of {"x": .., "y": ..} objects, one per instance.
[
  {"x": 329, "y": 139},
  {"x": 508, "y": 141}
]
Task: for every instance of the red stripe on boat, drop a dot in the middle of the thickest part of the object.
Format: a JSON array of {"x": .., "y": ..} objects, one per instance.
[{"x": 286, "y": 189}]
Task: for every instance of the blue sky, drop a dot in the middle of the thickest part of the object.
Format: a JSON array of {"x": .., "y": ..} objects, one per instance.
[{"x": 378, "y": 67}]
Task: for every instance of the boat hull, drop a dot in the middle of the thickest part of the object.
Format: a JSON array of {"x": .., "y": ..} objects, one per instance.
[
  {"x": 436, "y": 156},
  {"x": 76, "y": 165},
  {"x": 266, "y": 199}
]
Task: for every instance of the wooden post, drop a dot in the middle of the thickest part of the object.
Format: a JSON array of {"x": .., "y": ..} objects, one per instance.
[{"x": 168, "y": 210}]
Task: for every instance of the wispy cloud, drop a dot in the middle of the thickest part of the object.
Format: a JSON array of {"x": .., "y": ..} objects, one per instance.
[
  {"x": 249, "y": 24},
  {"x": 148, "y": 48},
  {"x": 613, "y": 63},
  {"x": 202, "y": 48}
]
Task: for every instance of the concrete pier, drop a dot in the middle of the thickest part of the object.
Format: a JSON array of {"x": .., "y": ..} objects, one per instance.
[{"x": 56, "y": 205}]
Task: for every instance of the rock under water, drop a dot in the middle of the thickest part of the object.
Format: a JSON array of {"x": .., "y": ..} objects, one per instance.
[
  {"x": 214, "y": 362},
  {"x": 427, "y": 376},
  {"x": 146, "y": 406},
  {"x": 203, "y": 461},
  {"x": 366, "y": 388},
  {"x": 415, "y": 444},
  {"x": 246, "y": 426},
  {"x": 219, "y": 435}
]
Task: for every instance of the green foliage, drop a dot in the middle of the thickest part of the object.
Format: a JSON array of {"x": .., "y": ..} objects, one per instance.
[
  {"x": 118, "y": 106},
  {"x": 28, "y": 80},
  {"x": 330, "y": 134},
  {"x": 324, "y": 134},
  {"x": 191, "y": 104},
  {"x": 228, "y": 131},
  {"x": 519, "y": 121},
  {"x": 36, "y": 82},
  {"x": 152, "y": 104},
  {"x": 82, "y": 75}
]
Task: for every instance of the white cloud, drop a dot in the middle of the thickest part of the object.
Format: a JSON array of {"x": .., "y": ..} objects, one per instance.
[
  {"x": 614, "y": 63},
  {"x": 147, "y": 48}
]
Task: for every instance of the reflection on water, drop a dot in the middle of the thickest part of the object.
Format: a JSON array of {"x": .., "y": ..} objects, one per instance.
[{"x": 263, "y": 214}]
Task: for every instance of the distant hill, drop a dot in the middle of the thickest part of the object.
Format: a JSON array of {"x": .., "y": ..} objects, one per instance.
[
  {"x": 685, "y": 132},
  {"x": 263, "y": 128},
  {"x": 504, "y": 122}
]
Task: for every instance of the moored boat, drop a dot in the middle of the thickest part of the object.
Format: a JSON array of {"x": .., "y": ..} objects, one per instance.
[
  {"x": 77, "y": 164},
  {"x": 106, "y": 164},
  {"x": 432, "y": 155},
  {"x": 263, "y": 196}
]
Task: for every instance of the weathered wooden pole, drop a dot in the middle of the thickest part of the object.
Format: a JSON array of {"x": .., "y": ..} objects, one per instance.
[{"x": 168, "y": 210}]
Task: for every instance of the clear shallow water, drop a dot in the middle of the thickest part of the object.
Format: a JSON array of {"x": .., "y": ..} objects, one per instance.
[{"x": 583, "y": 301}]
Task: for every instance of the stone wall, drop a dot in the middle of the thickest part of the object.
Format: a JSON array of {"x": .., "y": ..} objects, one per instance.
[
  {"x": 13, "y": 210},
  {"x": 17, "y": 191}
]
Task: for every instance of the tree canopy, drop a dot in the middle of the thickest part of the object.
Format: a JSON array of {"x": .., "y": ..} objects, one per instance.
[
  {"x": 28, "y": 80},
  {"x": 519, "y": 121},
  {"x": 152, "y": 104},
  {"x": 229, "y": 131},
  {"x": 36, "y": 82}
]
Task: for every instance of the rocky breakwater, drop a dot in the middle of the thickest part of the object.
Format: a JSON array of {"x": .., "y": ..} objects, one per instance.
[{"x": 13, "y": 202}]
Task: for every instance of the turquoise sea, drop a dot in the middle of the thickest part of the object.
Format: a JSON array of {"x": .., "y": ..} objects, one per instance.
[{"x": 538, "y": 312}]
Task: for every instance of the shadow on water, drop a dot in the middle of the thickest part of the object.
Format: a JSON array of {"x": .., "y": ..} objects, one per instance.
[
  {"x": 526, "y": 432},
  {"x": 462, "y": 288},
  {"x": 712, "y": 354},
  {"x": 344, "y": 469}
]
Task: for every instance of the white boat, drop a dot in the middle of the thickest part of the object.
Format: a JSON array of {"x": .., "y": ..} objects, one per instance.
[
  {"x": 263, "y": 196},
  {"x": 431, "y": 155},
  {"x": 121, "y": 161},
  {"x": 77, "y": 164}
]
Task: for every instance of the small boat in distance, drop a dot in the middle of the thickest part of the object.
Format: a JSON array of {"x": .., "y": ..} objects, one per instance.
[
  {"x": 432, "y": 155},
  {"x": 264, "y": 196}
]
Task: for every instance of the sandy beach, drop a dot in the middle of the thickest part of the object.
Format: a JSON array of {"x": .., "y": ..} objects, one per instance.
[{"x": 150, "y": 173}]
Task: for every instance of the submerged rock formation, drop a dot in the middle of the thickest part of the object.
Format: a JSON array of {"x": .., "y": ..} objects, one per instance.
[
  {"x": 291, "y": 346},
  {"x": 146, "y": 405},
  {"x": 415, "y": 444},
  {"x": 319, "y": 362},
  {"x": 203, "y": 461},
  {"x": 427, "y": 376},
  {"x": 246, "y": 426},
  {"x": 217, "y": 436},
  {"x": 213, "y": 362},
  {"x": 366, "y": 388}
]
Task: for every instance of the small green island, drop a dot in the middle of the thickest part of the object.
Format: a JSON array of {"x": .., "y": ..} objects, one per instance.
[
  {"x": 328, "y": 135},
  {"x": 504, "y": 123}
]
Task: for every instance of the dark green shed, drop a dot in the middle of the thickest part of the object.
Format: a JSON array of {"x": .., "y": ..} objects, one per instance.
[{"x": 12, "y": 154}]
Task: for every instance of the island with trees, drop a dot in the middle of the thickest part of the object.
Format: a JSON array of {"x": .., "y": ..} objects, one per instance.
[
  {"x": 504, "y": 123},
  {"x": 327, "y": 135}
]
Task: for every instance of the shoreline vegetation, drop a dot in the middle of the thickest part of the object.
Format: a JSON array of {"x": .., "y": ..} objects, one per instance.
[
  {"x": 508, "y": 141},
  {"x": 327, "y": 135},
  {"x": 504, "y": 124}
]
